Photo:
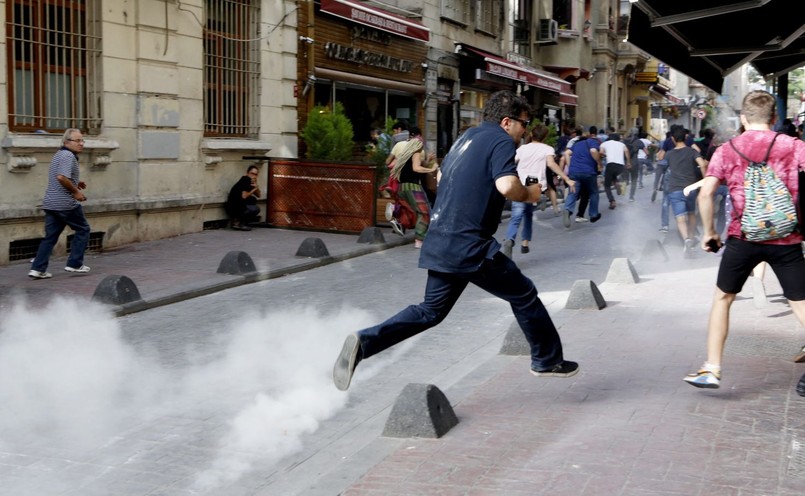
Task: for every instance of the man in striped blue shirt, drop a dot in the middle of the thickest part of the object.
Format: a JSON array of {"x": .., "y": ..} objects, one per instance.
[{"x": 63, "y": 208}]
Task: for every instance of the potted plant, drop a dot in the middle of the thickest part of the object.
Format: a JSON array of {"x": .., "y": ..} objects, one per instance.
[
  {"x": 328, "y": 134},
  {"x": 326, "y": 191}
]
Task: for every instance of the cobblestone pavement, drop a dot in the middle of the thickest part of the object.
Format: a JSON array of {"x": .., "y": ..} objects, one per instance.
[{"x": 205, "y": 388}]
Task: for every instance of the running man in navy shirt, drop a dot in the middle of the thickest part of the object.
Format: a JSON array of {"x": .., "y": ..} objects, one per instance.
[{"x": 476, "y": 177}]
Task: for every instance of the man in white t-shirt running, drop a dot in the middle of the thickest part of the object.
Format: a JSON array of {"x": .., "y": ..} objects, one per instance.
[{"x": 616, "y": 156}]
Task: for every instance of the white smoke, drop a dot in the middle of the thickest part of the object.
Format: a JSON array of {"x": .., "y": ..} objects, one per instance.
[{"x": 69, "y": 377}]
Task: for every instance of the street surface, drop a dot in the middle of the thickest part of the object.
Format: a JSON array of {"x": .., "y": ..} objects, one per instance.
[{"x": 231, "y": 394}]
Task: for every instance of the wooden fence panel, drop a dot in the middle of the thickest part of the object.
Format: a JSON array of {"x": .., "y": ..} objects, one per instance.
[{"x": 321, "y": 196}]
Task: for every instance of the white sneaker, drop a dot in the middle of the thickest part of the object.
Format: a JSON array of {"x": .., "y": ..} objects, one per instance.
[
  {"x": 81, "y": 270},
  {"x": 398, "y": 228},
  {"x": 582, "y": 219},
  {"x": 389, "y": 211},
  {"x": 35, "y": 274}
]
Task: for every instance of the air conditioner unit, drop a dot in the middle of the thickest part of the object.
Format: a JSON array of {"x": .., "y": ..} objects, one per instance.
[{"x": 547, "y": 32}]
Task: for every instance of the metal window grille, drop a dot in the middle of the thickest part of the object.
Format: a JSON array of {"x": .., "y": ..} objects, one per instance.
[
  {"x": 231, "y": 68},
  {"x": 95, "y": 243},
  {"x": 54, "y": 53},
  {"x": 23, "y": 249}
]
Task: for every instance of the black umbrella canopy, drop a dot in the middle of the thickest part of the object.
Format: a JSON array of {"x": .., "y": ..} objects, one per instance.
[{"x": 709, "y": 39}]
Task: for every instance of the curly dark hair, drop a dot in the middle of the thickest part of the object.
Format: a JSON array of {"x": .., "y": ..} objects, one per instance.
[{"x": 505, "y": 104}]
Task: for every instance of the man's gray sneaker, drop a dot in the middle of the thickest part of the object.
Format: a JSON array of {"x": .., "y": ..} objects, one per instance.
[
  {"x": 506, "y": 247},
  {"x": 35, "y": 274},
  {"x": 347, "y": 361}
]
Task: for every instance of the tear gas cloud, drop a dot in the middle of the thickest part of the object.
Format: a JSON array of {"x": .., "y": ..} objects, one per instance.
[{"x": 71, "y": 379}]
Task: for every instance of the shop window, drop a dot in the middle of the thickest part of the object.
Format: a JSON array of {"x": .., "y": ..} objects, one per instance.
[
  {"x": 472, "y": 108},
  {"x": 53, "y": 56},
  {"x": 487, "y": 16},
  {"x": 231, "y": 68},
  {"x": 457, "y": 11}
]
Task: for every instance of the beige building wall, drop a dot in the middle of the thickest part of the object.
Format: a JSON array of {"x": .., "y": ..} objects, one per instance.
[{"x": 150, "y": 172}]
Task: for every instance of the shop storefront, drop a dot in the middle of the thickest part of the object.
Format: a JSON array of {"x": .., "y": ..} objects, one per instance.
[
  {"x": 483, "y": 73},
  {"x": 370, "y": 60}
]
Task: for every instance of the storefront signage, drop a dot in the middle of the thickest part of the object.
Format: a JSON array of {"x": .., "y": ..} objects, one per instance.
[
  {"x": 365, "y": 57},
  {"x": 528, "y": 77},
  {"x": 376, "y": 18},
  {"x": 645, "y": 77},
  {"x": 511, "y": 70},
  {"x": 368, "y": 34}
]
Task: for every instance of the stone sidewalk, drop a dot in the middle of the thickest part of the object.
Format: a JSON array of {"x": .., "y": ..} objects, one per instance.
[{"x": 174, "y": 269}]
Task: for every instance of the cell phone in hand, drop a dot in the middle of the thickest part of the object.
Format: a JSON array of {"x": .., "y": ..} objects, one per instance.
[
  {"x": 713, "y": 245},
  {"x": 531, "y": 180}
]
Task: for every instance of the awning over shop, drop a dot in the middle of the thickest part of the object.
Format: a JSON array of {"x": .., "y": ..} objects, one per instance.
[
  {"x": 669, "y": 98},
  {"x": 569, "y": 74},
  {"x": 709, "y": 40},
  {"x": 376, "y": 18},
  {"x": 569, "y": 99},
  {"x": 528, "y": 75}
]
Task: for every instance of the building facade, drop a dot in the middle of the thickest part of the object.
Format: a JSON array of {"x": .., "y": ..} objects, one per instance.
[
  {"x": 169, "y": 95},
  {"x": 176, "y": 99}
]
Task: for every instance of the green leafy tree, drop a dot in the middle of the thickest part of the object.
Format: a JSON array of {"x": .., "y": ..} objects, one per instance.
[
  {"x": 328, "y": 133},
  {"x": 552, "y": 136}
]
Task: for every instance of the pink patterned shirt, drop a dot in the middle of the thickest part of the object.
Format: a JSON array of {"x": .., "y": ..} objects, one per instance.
[{"x": 787, "y": 158}]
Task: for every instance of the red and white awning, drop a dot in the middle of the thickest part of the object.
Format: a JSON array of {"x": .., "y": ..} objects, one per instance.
[
  {"x": 376, "y": 18},
  {"x": 528, "y": 75}
]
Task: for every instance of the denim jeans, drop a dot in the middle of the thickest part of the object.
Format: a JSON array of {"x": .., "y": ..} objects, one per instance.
[
  {"x": 521, "y": 211},
  {"x": 681, "y": 204},
  {"x": 666, "y": 205},
  {"x": 499, "y": 277},
  {"x": 588, "y": 183},
  {"x": 55, "y": 222}
]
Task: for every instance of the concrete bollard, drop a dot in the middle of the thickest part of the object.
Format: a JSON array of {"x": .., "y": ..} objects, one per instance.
[
  {"x": 371, "y": 235},
  {"x": 116, "y": 290},
  {"x": 621, "y": 271},
  {"x": 654, "y": 250},
  {"x": 312, "y": 247},
  {"x": 515, "y": 343},
  {"x": 421, "y": 410},
  {"x": 236, "y": 262},
  {"x": 585, "y": 294}
]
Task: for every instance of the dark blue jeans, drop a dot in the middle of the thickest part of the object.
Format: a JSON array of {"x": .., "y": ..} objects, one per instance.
[
  {"x": 55, "y": 222},
  {"x": 499, "y": 277},
  {"x": 584, "y": 182}
]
